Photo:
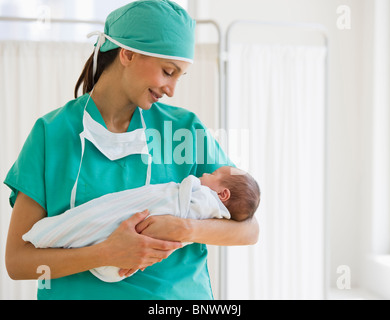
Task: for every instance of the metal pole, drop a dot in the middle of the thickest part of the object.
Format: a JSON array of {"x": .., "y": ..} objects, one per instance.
[{"x": 222, "y": 281}]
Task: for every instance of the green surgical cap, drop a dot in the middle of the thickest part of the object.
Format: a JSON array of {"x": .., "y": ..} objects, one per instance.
[{"x": 159, "y": 28}]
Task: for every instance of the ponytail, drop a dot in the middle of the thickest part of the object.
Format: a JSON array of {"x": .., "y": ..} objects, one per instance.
[{"x": 105, "y": 59}]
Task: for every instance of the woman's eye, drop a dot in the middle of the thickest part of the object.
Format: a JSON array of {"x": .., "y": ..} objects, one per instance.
[{"x": 168, "y": 74}]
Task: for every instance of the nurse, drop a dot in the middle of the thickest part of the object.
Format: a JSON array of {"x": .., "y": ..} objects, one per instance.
[{"x": 100, "y": 143}]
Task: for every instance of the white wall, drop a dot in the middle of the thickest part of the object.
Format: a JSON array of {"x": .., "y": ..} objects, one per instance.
[{"x": 350, "y": 113}]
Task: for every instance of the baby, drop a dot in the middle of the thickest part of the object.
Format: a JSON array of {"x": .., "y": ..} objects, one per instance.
[
  {"x": 237, "y": 190},
  {"x": 227, "y": 193}
]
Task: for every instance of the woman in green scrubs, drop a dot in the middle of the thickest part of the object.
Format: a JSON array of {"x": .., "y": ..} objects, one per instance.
[{"x": 146, "y": 47}]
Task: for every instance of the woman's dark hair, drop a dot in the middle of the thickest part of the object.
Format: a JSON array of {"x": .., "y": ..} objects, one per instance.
[{"x": 105, "y": 59}]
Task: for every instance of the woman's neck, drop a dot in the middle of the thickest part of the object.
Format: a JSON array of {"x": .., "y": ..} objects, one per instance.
[{"x": 113, "y": 105}]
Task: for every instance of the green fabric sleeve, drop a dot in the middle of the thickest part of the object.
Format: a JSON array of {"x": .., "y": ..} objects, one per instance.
[{"x": 27, "y": 175}]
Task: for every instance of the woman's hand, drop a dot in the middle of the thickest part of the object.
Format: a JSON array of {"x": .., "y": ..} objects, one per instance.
[
  {"x": 168, "y": 228},
  {"x": 129, "y": 250}
]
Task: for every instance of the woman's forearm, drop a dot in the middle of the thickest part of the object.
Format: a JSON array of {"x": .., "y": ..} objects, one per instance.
[
  {"x": 26, "y": 262},
  {"x": 221, "y": 232},
  {"x": 23, "y": 259}
]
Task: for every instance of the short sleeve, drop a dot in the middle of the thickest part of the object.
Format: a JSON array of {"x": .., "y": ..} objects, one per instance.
[
  {"x": 209, "y": 154},
  {"x": 27, "y": 175}
]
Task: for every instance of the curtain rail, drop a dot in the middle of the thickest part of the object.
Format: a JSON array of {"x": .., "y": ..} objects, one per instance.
[
  {"x": 70, "y": 21},
  {"x": 295, "y": 25},
  {"x": 75, "y": 21}
]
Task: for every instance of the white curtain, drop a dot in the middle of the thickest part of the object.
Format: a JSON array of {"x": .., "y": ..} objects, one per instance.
[
  {"x": 276, "y": 109},
  {"x": 38, "y": 77},
  {"x": 198, "y": 90},
  {"x": 35, "y": 78}
]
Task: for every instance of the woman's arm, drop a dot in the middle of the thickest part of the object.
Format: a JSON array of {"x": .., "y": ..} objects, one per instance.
[
  {"x": 222, "y": 232},
  {"x": 219, "y": 232},
  {"x": 22, "y": 259},
  {"x": 125, "y": 248}
]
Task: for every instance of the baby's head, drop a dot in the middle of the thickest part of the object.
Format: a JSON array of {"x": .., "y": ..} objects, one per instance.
[{"x": 238, "y": 191}]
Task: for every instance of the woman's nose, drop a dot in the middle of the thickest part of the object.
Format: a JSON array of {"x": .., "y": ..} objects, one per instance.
[{"x": 169, "y": 89}]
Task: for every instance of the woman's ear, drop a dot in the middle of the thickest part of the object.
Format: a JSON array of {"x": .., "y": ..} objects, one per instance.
[
  {"x": 126, "y": 56},
  {"x": 224, "y": 195}
]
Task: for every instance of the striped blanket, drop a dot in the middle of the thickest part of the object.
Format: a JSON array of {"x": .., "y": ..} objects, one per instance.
[{"x": 94, "y": 221}]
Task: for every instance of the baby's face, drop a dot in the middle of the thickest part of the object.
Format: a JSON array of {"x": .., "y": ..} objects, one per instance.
[{"x": 213, "y": 180}]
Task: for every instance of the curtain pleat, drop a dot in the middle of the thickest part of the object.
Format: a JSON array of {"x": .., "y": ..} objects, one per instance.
[{"x": 277, "y": 94}]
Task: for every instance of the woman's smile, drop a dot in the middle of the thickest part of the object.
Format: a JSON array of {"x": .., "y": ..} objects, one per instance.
[{"x": 155, "y": 96}]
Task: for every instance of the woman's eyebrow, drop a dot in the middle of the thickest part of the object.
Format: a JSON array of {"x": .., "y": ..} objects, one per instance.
[{"x": 176, "y": 66}]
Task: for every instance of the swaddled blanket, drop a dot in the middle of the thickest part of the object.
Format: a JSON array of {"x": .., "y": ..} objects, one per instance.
[{"x": 94, "y": 221}]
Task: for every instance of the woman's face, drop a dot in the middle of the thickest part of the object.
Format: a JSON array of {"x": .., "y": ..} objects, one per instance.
[{"x": 147, "y": 79}]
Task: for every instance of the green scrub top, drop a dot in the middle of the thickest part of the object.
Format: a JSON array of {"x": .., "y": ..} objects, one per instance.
[{"x": 46, "y": 171}]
